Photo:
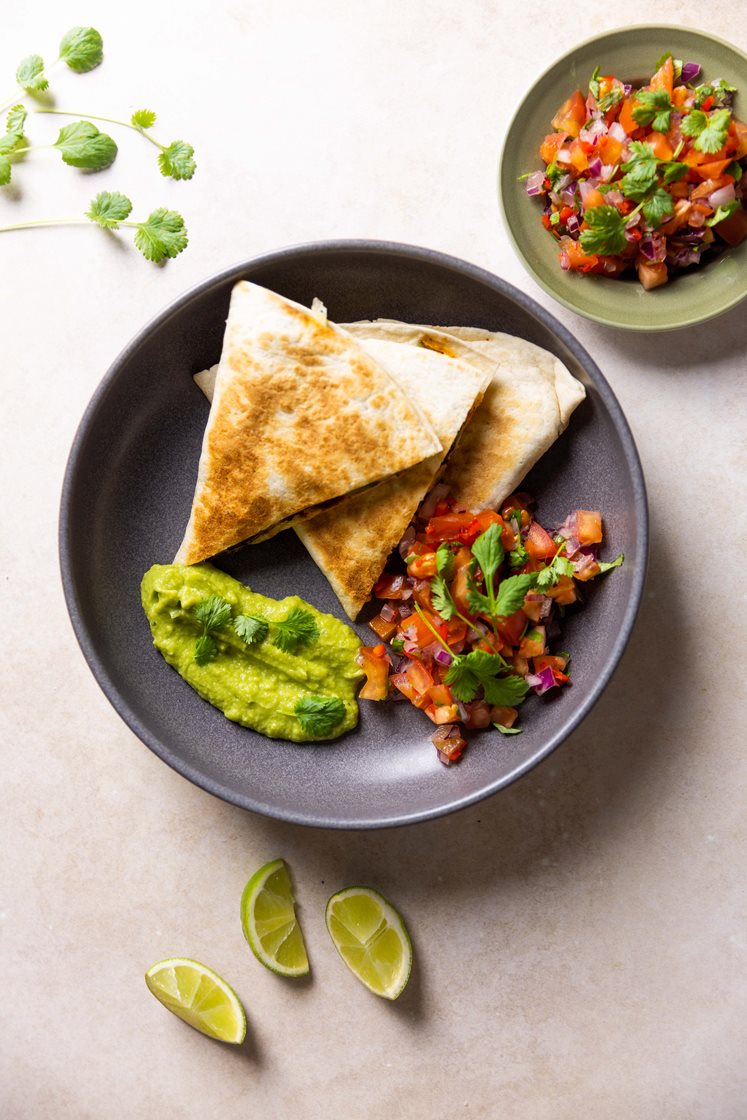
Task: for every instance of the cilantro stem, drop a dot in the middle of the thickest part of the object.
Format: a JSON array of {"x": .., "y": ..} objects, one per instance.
[
  {"x": 47, "y": 222},
  {"x": 421, "y": 614},
  {"x": 109, "y": 120},
  {"x": 21, "y": 92}
]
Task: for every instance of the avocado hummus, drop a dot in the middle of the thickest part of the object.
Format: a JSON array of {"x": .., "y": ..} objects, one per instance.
[{"x": 255, "y": 682}]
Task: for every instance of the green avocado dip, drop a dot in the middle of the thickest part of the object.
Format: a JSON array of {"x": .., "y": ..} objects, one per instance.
[{"x": 280, "y": 667}]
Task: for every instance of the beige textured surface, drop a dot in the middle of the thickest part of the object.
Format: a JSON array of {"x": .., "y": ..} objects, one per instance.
[{"x": 580, "y": 938}]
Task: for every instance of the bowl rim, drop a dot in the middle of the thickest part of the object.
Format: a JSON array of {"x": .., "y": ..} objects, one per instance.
[
  {"x": 236, "y": 271},
  {"x": 648, "y": 328}
]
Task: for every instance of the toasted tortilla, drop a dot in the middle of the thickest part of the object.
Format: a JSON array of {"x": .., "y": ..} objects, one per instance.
[
  {"x": 351, "y": 542},
  {"x": 526, "y": 407},
  {"x": 301, "y": 415}
]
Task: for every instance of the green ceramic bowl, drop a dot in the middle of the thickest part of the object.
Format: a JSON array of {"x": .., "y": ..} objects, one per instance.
[{"x": 696, "y": 294}]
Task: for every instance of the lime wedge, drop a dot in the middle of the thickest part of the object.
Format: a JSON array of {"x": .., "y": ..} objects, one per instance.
[
  {"x": 268, "y": 918},
  {"x": 371, "y": 938},
  {"x": 198, "y": 996}
]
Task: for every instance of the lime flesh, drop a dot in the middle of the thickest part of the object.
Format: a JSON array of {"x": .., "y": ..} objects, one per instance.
[
  {"x": 371, "y": 938},
  {"x": 268, "y": 918},
  {"x": 199, "y": 996}
]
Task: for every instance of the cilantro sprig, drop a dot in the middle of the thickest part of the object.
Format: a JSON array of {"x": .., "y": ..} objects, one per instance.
[
  {"x": 319, "y": 715},
  {"x": 654, "y": 107},
  {"x": 298, "y": 629},
  {"x": 159, "y": 236},
  {"x": 212, "y": 613},
  {"x": 81, "y": 49},
  {"x": 606, "y": 231},
  {"x": 708, "y": 129},
  {"x": 250, "y": 629},
  {"x": 80, "y": 144}
]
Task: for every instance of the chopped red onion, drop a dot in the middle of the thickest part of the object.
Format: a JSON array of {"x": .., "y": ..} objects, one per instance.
[
  {"x": 653, "y": 248},
  {"x": 614, "y": 198},
  {"x": 541, "y": 682},
  {"x": 407, "y": 541},
  {"x": 443, "y": 657},
  {"x": 627, "y": 89},
  {"x": 546, "y": 608},
  {"x": 563, "y": 183},
  {"x": 388, "y": 612},
  {"x": 438, "y": 492},
  {"x": 405, "y": 611},
  {"x": 617, "y": 132},
  {"x": 568, "y": 197},
  {"x": 690, "y": 72},
  {"x": 573, "y": 225},
  {"x": 608, "y": 170},
  {"x": 721, "y": 196},
  {"x": 535, "y": 184},
  {"x": 595, "y": 167},
  {"x": 563, "y": 157}
]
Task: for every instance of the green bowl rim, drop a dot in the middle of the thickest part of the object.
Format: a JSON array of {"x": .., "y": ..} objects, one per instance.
[{"x": 648, "y": 327}]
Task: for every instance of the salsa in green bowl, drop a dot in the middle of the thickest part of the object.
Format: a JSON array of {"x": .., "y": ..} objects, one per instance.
[{"x": 693, "y": 294}]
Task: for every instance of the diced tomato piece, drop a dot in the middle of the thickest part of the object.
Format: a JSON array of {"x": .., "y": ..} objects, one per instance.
[
  {"x": 444, "y": 506},
  {"x": 505, "y": 716},
  {"x": 594, "y": 198},
  {"x": 512, "y": 627},
  {"x": 458, "y": 585},
  {"x": 713, "y": 170},
  {"x": 709, "y": 186},
  {"x": 415, "y": 630},
  {"x": 448, "y": 743},
  {"x": 578, "y": 260},
  {"x": 679, "y": 96},
  {"x": 480, "y": 523},
  {"x": 392, "y": 587},
  {"x": 738, "y": 132},
  {"x": 651, "y": 275},
  {"x": 564, "y": 591},
  {"x": 551, "y": 145},
  {"x": 587, "y": 572},
  {"x": 533, "y": 607},
  {"x": 588, "y": 526},
  {"x": 538, "y": 543},
  {"x": 447, "y": 526},
  {"x": 446, "y": 713},
  {"x": 520, "y": 664},
  {"x": 609, "y": 149},
  {"x": 571, "y": 115},
  {"x": 440, "y": 694},
  {"x": 664, "y": 76},
  {"x": 533, "y": 642},
  {"x": 579, "y": 158},
  {"x": 555, "y": 663},
  {"x": 733, "y": 229},
  {"x": 403, "y": 684},
  {"x": 420, "y": 678},
  {"x": 518, "y": 501},
  {"x": 383, "y": 627},
  {"x": 376, "y": 669},
  {"x": 478, "y": 714},
  {"x": 423, "y": 567},
  {"x": 661, "y": 147},
  {"x": 456, "y": 631},
  {"x": 626, "y": 118}
]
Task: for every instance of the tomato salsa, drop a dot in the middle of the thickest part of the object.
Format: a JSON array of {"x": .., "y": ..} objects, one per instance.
[
  {"x": 650, "y": 179},
  {"x": 466, "y": 626}
]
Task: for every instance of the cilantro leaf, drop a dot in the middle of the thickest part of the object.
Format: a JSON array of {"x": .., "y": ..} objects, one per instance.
[
  {"x": 639, "y": 180},
  {"x": 299, "y": 628},
  {"x": 723, "y": 212},
  {"x": 549, "y": 576},
  {"x": 735, "y": 170},
  {"x": 318, "y": 715},
  {"x": 594, "y": 83},
  {"x": 507, "y": 730},
  {"x": 672, "y": 170},
  {"x": 109, "y": 208},
  {"x": 718, "y": 89},
  {"x": 466, "y": 674},
  {"x": 16, "y": 120},
  {"x": 477, "y": 602},
  {"x": 613, "y": 97},
  {"x": 5, "y": 170},
  {"x": 606, "y": 232},
  {"x": 162, "y": 234},
  {"x": 511, "y": 593},
  {"x": 251, "y": 630},
  {"x": 709, "y": 130},
  {"x": 30, "y": 74},
  {"x": 143, "y": 118},
  {"x": 82, "y": 49},
  {"x": 606, "y": 565},
  {"x": 441, "y": 598},
  {"x": 658, "y": 206},
  {"x": 82, "y": 145},
  {"x": 9, "y": 141},
  {"x": 177, "y": 160},
  {"x": 653, "y": 107},
  {"x": 488, "y": 550},
  {"x": 206, "y": 649},
  {"x": 444, "y": 560},
  {"x": 212, "y": 612},
  {"x": 505, "y": 692}
]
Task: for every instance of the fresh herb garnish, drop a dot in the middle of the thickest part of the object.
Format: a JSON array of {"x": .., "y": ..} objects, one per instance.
[
  {"x": 558, "y": 566},
  {"x": 299, "y": 628},
  {"x": 212, "y": 613},
  {"x": 480, "y": 669},
  {"x": 606, "y": 232},
  {"x": 654, "y": 107},
  {"x": 318, "y": 715},
  {"x": 250, "y": 629},
  {"x": 81, "y": 49},
  {"x": 162, "y": 234},
  {"x": 612, "y": 97},
  {"x": 606, "y": 565},
  {"x": 710, "y": 131},
  {"x": 507, "y": 730},
  {"x": 658, "y": 206},
  {"x": 594, "y": 83},
  {"x": 723, "y": 212},
  {"x": 719, "y": 90}
]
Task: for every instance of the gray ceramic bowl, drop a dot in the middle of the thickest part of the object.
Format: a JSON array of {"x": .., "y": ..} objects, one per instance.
[
  {"x": 630, "y": 53},
  {"x": 126, "y": 498}
]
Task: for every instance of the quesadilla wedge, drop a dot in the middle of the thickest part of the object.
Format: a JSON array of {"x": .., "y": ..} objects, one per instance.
[
  {"x": 526, "y": 407},
  {"x": 301, "y": 415},
  {"x": 351, "y": 541}
]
